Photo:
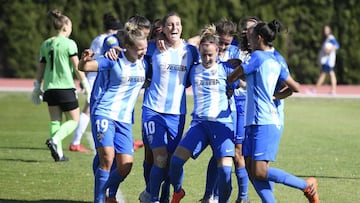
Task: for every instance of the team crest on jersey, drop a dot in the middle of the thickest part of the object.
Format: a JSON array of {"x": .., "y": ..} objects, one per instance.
[
  {"x": 150, "y": 138},
  {"x": 111, "y": 40},
  {"x": 213, "y": 71},
  {"x": 99, "y": 136}
]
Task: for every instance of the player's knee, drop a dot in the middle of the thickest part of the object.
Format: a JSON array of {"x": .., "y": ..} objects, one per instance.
[{"x": 161, "y": 160}]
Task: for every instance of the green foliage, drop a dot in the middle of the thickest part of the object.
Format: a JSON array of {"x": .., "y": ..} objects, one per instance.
[{"x": 25, "y": 24}]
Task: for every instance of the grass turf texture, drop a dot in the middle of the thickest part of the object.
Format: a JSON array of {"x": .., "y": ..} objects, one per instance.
[{"x": 321, "y": 139}]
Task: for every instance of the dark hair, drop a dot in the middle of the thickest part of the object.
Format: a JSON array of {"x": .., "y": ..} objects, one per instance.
[
  {"x": 156, "y": 28},
  {"x": 226, "y": 27},
  {"x": 59, "y": 19},
  {"x": 111, "y": 23},
  {"x": 140, "y": 21},
  {"x": 243, "y": 22},
  {"x": 164, "y": 19},
  {"x": 268, "y": 31}
]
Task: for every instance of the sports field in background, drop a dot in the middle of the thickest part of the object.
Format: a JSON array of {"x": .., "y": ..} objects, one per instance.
[{"x": 321, "y": 139}]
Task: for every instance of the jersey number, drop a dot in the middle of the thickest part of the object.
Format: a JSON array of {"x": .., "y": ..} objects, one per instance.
[
  {"x": 102, "y": 125},
  {"x": 149, "y": 127}
]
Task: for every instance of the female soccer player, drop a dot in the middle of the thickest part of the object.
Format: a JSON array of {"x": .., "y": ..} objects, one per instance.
[
  {"x": 164, "y": 106},
  {"x": 111, "y": 26},
  {"x": 112, "y": 103},
  {"x": 263, "y": 120},
  {"x": 58, "y": 62},
  {"x": 227, "y": 30},
  {"x": 212, "y": 122}
]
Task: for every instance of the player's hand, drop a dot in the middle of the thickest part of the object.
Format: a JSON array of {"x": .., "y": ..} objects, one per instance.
[
  {"x": 36, "y": 95},
  {"x": 87, "y": 54},
  {"x": 85, "y": 85},
  {"x": 113, "y": 53},
  {"x": 229, "y": 92}
]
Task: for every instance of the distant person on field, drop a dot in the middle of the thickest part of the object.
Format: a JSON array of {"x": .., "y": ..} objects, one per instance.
[
  {"x": 58, "y": 62},
  {"x": 327, "y": 57},
  {"x": 111, "y": 26}
]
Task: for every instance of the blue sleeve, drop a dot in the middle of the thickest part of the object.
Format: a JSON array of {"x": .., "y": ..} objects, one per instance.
[
  {"x": 148, "y": 67},
  {"x": 229, "y": 69},
  {"x": 109, "y": 42},
  {"x": 335, "y": 43},
  {"x": 151, "y": 48},
  {"x": 104, "y": 63},
  {"x": 195, "y": 53},
  {"x": 252, "y": 64}
]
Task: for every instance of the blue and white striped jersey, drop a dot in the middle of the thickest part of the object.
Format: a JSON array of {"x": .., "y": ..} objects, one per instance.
[
  {"x": 117, "y": 87},
  {"x": 209, "y": 88},
  {"x": 232, "y": 52},
  {"x": 166, "y": 93},
  {"x": 262, "y": 72}
]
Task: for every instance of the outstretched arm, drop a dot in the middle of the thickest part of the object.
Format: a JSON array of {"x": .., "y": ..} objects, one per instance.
[
  {"x": 87, "y": 63},
  {"x": 238, "y": 72}
]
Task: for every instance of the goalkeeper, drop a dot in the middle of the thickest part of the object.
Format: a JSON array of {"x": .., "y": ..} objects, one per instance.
[{"x": 58, "y": 62}]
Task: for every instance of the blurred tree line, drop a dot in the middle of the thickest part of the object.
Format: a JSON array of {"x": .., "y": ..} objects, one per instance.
[{"x": 25, "y": 24}]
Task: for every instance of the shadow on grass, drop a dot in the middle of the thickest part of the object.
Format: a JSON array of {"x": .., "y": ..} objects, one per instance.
[
  {"x": 40, "y": 201},
  {"x": 328, "y": 177},
  {"x": 20, "y": 147}
]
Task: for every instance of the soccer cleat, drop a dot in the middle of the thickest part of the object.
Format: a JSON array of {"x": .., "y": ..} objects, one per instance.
[
  {"x": 138, "y": 144},
  {"x": 310, "y": 191},
  {"x": 177, "y": 196},
  {"x": 145, "y": 197},
  {"x": 53, "y": 148},
  {"x": 78, "y": 148},
  {"x": 63, "y": 158},
  {"x": 110, "y": 200},
  {"x": 205, "y": 199}
]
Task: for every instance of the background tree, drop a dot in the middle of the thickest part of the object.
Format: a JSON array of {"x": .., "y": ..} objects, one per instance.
[{"x": 24, "y": 24}]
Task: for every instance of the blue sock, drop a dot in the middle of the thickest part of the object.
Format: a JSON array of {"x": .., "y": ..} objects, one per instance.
[
  {"x": 264, "y": 189},
  {"x": 224, "y": 173},
  {"x": 176, "y": 172},
  {"x": 165, "y": 190},
  {"x": 280, "y": 176},
  {"x": 101, "y": 178},
  {"x": 242, "y": 180},
  {"x": 157, "y": 176},
  {"x": 96, "y": 163},
  {"x": 147, "y": 170},
  {"x": 114, "y": 181},
  {"x": 211, "y": 182}
]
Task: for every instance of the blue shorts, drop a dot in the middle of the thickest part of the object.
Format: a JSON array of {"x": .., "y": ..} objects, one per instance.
[
  {"x": 203, "y": 133},
  {"x": 326, "y": 69},
  {"x": 161, "y": 129},
  {"x": 107, "y": 132},
  {"x": 262, "y": 142}
]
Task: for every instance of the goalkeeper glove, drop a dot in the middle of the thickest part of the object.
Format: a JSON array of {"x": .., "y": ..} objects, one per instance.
[{"x": 36, "y": 96}]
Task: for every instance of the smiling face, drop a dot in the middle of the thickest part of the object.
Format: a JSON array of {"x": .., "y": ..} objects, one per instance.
[
  {"x": 137, "y": 51},
  {"x": 172, "y": 29},
  {"x": 208, "y": 54}
]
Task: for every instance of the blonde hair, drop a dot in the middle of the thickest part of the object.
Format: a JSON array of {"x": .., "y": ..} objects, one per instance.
[
  {"x": 130, "y": 34},
  {"x": 209, "y": 35}
]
